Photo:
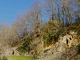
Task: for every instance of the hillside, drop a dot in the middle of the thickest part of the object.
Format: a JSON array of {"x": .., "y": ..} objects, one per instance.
[
  {"x": 49, "y": 30},
  {"x": 52, "y": 43},
  {"x": 48, "y": 45}
]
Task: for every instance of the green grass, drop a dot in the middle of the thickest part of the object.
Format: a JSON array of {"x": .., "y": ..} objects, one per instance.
[{"x": 13, "y": 57}]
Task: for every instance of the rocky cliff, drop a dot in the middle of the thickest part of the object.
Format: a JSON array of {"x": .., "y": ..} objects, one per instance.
[{"x": 67, "y": 48}]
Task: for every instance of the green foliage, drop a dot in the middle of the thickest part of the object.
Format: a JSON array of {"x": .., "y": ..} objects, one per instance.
[
  {"x": 56, "y": 35},
  {"x": 52, "y": 35},
  {"x": 78, "y": 31},
  {"x": 52, "y": 32},
  {"x": 78, "y": 20},
  {"x": 47, "y": 39},
  {"x": 46, "y": 50},
  {"x": 73, "y": 27},
  {"x": 25, "y": 46},
  {"x": 79, "y": 49}
]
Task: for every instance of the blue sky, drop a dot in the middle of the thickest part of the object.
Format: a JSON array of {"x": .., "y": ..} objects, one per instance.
[{"x": 9, "y": 9}]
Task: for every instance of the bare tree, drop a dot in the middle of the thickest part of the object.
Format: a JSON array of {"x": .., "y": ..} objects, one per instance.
[
  {"x": 19, "y": 29},
  {"x": 5, "y": 32},
  {"x": 33, "y": 17},
  {"x": 49, "y": 6}
]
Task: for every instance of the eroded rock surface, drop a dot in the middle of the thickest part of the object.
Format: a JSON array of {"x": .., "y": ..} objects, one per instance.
[{"x": 65, "y": 49}]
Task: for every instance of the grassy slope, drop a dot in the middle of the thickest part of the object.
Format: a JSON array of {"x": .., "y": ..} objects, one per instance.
[{"x": 13, "y": 57}]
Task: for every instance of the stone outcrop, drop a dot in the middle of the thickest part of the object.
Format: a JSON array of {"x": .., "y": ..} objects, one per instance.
[
  {"x": 68, "y": 54},
  {"x": 65, "y": 49},
  {"x": 11, "y": 51}
]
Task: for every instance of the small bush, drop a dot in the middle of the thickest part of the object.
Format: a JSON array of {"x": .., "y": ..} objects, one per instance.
[
  {"x": 52, "y": 32},
  {"x": 79, "y": 49},
  {"x": 25, "y": 46},
  {"x": 56, "y": 35},
  {"x": 73, "y": 27},
  {"x": 46, "y": 50},
  {"x": 78, "y": 31},
  {"x": 47, "y": 39}
]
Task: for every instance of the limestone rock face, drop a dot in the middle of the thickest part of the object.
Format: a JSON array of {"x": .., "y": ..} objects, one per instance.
[
  {"x": 65, "y": 42},
  {"x": 68, "y": 54},
  {"x": 65, "y": 49},
  {"x": 11, "y": 51},
  {"x": 68, "y": 40}
]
